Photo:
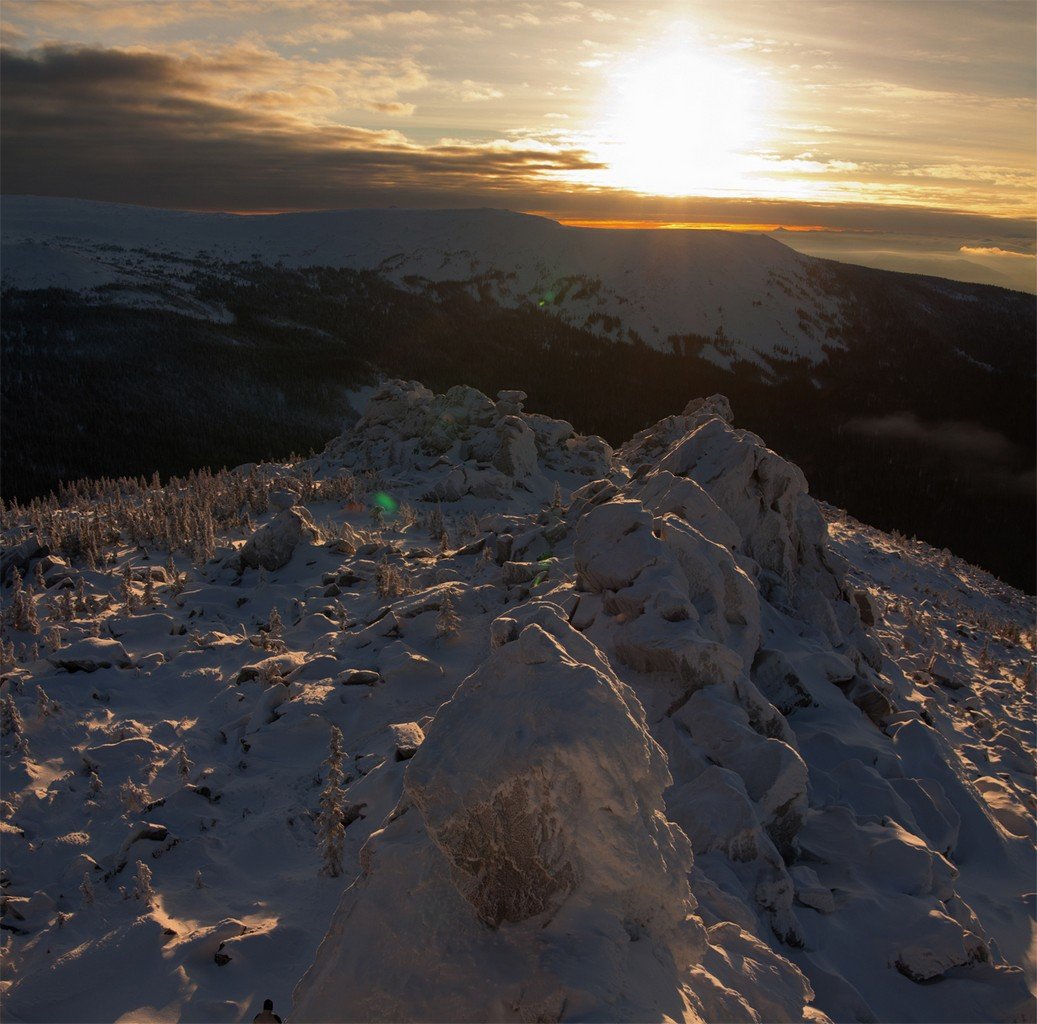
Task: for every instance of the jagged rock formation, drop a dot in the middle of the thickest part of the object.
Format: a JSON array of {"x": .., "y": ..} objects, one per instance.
[
  {"x": 702, "y": 574},
  {"x": 675, "y": 758}
]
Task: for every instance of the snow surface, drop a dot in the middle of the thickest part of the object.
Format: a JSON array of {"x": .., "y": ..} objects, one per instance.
[
  {"x": 748, "y": 292},
  {"x": 700, "y": 749}
]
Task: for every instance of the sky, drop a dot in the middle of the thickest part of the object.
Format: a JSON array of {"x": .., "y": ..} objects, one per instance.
[{"x": 896, "y": 132}]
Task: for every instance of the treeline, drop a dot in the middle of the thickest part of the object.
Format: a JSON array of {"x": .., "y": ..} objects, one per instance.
[{"x": 92, "y": 390}]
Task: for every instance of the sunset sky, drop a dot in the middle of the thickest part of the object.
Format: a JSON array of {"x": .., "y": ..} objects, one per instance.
[{"x": 907, "y": 126}]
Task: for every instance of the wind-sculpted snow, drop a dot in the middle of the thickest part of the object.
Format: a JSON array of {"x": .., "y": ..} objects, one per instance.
[{"x": 645, "y": 734}]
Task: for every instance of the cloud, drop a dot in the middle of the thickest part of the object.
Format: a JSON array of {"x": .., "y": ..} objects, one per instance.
[
  {"x": 984, "y": 453},
  {"x": 995, "y": 250},
  {"x": 478, "y": 92},
  {"x": 192, "y": 131},
  {"x": 959, "y": 436},
  {"x": 11, "y": 33}
]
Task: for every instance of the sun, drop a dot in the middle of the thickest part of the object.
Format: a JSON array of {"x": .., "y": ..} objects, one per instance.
[{"x": 683, "y": 121}]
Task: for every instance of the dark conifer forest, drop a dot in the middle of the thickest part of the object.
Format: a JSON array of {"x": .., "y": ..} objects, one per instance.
[{"x": 92, "y": 387}]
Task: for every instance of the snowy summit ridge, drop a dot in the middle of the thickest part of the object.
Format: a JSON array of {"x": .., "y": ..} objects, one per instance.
[{"x": 644, "y": 734}]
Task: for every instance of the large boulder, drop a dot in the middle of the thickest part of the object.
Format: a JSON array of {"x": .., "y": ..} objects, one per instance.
[
  {"x": 516, "y": 452},
  {"x": 532, "y": 813},
  {"x": 90, "y": 654},
  {"x": 271, "y": 546}
]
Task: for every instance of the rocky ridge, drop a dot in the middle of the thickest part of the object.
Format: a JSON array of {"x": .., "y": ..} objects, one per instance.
[{"x": 670, "y": 762}]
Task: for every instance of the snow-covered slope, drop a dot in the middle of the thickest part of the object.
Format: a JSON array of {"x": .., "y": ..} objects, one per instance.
[
  {"x": 634, "y": 735},
  {"x": 749, "y": 293}
]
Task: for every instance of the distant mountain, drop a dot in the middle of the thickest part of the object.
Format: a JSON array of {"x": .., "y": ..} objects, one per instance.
[{"x": 138, "y": 339}]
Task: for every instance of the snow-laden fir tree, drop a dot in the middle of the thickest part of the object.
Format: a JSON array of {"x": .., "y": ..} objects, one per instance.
[
  {"x": 82, "y": 605},
  {"x": 10, "y": 720},
  {"x": 142, "y": 889},
  {"x": 45, "y": 707},
  {"x": 133, "y": 796},
  {"x": 183, "y": 763},
  {"x": 129, "y": 595},
  {"x": 448, "y": 622},
  {"x": 22, "y": 610},
  {"x": 273, "y": 638},
  {"x": 86, "y": 889},
  {"x": 7, "y": 658},
  {"x": 331, "y": 833},
  {"x": 556, "y": 499}
]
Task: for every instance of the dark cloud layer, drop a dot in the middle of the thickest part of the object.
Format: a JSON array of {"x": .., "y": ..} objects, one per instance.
[
  {"x": 152, "y": 128},
  {"x": 194, "y": 132},
  {"x": 980, "y": 449}
]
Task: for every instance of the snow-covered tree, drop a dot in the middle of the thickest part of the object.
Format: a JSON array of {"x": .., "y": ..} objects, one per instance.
[
  {"x": 448, "y": 622},
  {"x": 133, "y": 797},
  {"x": 273, "y": 638},
  {"x": 86, "y": 888},
  {"x": 198, "y": 881},
  {"x": 556, "y": 499},
  {"x": 10, "y": 720},
  {"x": 331, "y": 833},
  {"x": 45, "y": 707},
  {"x": 183, "y": 763},
  {"x": 142, "y": 889},
  {"x": 82, "y": 604},
  {"x": 129, "y": 595},
  {"x": 22, "y": 609}
]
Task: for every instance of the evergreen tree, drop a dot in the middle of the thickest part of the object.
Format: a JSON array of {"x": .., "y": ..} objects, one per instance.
[
  {"x": 23, "y": 610},
  {"x": 183, "y": 764},
  {"x": 45, "y": 707},
  {"x": 10, "y": 720},
  {"x": 142, "y": 888},
  {"x": 331, "y": 833},
  {"x": 129, "y": 595},
  {"x": 86, "y": 888},
  {"x": 448, "y": 622}
]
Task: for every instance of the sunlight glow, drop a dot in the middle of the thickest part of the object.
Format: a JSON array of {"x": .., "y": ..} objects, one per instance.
[{"x": 683, "y": 121}]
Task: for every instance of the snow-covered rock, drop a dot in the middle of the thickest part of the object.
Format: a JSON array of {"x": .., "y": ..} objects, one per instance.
[{"x": 272, "y": 545}]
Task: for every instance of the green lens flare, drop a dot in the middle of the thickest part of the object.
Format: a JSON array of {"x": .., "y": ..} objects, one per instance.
[{"x": 384, "y": 502}]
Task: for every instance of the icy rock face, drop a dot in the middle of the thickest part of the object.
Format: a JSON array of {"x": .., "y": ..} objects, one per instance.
[{"x": 534, "y": 807}]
